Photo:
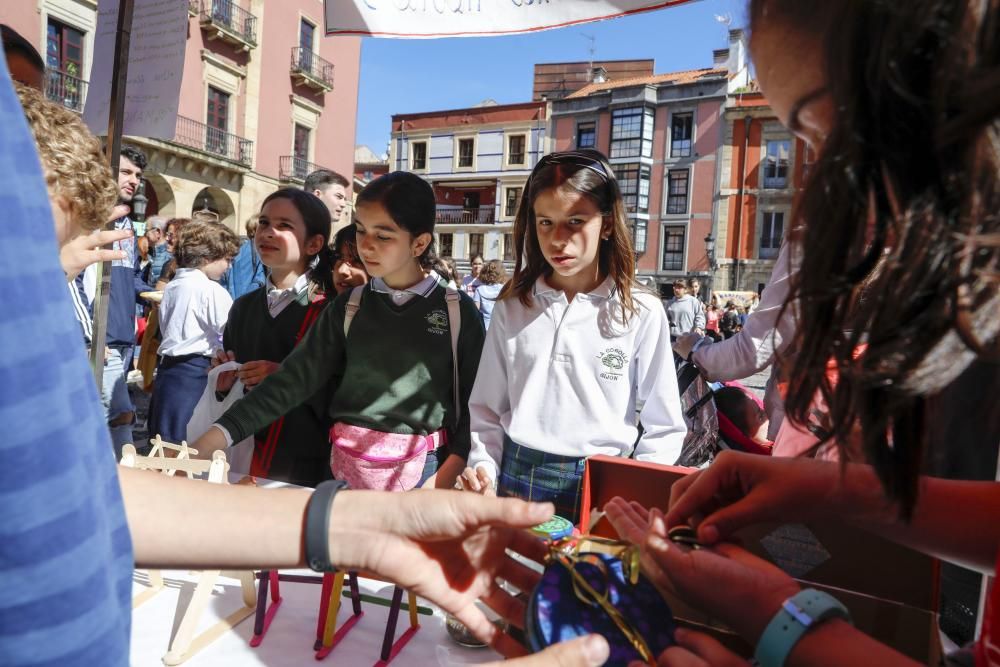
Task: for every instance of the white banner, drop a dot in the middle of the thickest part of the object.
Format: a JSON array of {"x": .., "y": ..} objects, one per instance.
[
  {"x": 155, "y": 66},
  {"x": 471, "y": 18}
]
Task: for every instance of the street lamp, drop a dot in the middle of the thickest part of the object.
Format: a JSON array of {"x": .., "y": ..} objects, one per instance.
[
  {"x": 139, "y": 203},
  {"x": 712, "y": 265}
]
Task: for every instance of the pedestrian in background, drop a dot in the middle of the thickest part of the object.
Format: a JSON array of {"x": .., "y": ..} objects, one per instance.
[{"x": 685, "y": 313}]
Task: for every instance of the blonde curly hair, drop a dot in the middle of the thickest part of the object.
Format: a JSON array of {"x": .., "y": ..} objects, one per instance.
[{"x": 74, "y": 165}]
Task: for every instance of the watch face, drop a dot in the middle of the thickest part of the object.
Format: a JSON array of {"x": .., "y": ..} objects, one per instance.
[{"x": 557, "y": 612}]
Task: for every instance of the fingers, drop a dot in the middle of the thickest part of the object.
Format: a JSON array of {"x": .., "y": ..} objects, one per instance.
[
  {"x": 471, "y": 481},
  {"x": 589, "y": 651},
  {"x": 119, "y": 211},
  {"x": 485, "y": 482},
  {"x": 630, "y": 524}
]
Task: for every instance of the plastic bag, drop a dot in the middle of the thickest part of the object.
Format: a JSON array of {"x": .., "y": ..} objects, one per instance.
[{"x": 209, "y": 409}]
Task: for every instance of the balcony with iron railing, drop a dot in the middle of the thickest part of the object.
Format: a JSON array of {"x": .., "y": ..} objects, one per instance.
[
  {"x": 484, "y": 215},
  {"x": 311, "y": 70},
  {"x": 226, "y": 20},
  {"x": 66, "y": 89},
  {"x": 292, "y": 169},
  {"x": 213, "y": 141}
]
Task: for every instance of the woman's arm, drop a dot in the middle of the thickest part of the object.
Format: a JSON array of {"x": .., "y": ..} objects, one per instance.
[
  {"x": 447, "y": 547},
  {"x": 656, "y": 388},
  {"x": 953, "y": 520},
  {"x": 489, "y": 399},
  {"x": 317, "y": 358}
]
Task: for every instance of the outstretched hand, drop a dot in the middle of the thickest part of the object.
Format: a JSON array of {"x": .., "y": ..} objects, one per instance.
[
  {"x": 726, "y": 581},
  {"x": 447, "y": 547},
  {"x": 86, "y": 249}
]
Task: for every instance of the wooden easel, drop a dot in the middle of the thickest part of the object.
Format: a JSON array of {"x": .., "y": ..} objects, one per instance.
[{"x": 185, "y": 643}]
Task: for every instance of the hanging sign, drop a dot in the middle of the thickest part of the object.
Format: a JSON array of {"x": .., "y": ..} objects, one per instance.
[
  {"x": 155, "y": 66},
  {"x": 471, "y": 18}
]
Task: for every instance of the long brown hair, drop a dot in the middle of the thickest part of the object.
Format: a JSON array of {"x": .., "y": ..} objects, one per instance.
[
  {"x": 897, "y": 228},
  {"x": 585, "y": 171}
]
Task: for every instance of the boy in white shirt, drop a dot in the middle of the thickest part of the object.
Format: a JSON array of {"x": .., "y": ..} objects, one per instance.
[{"x": 193, "y": 315}]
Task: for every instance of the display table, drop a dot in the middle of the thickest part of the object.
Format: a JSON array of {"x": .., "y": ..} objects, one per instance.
[{"x": 289, "y": 639}]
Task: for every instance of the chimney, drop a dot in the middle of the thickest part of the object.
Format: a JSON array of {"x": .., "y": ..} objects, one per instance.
[
  {"x": 598, "y": 75},
  {"x": 720, "y": 57},
  {"x": 736, "y": 60}
]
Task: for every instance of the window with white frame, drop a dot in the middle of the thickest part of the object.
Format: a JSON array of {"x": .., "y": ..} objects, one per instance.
[
  {"x": 776, "y": 163},
  {"x": 673, "y": 248},
  {"x": 446, "y": 242},
  {"x": 508, "y": 247},
  {"x": 418, "y": 155},
  {"x": 515, "y": 149},
  {"x": 677, "y": 191},
  {"x": 627, "y": 176},
  {"x": 772, "y": 228},
  {"x": 632, "y": 132},
  {"x": 476, "y": 242},
  {"x": 639, "y": 235},
  {"x": 633, "y": 180},
  {"x": 466, "y": 152},
  {"x": 586, "y": 135},
  {"x": 681, "y": 134},
  {"x": 510, "y": 202}
]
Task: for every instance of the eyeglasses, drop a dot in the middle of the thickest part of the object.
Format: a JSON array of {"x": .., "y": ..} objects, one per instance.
[{"x": 578, "y": 159}]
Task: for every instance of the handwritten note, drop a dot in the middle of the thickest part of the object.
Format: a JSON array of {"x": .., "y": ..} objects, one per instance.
[
  {"x": 467, "y": 18},
  {"x": 155, "y": 67}
]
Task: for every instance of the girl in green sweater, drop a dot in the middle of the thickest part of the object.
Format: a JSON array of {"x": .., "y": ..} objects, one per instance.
[
  {"x": 265, "y": 325},
  {"x": 401, "y": 353}
]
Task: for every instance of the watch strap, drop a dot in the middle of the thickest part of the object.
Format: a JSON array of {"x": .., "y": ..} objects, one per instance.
[
  {"x": 797, "y": 616},
  {"x": 317, "y": 537}
]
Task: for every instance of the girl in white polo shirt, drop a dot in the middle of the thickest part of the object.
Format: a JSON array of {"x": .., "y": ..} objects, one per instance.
[{"x": 577, "y": 354}]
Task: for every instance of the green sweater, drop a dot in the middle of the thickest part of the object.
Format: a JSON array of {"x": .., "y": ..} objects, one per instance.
[
  {"x": 393, "y": 373},
  {"x": 302, "y": 452}
]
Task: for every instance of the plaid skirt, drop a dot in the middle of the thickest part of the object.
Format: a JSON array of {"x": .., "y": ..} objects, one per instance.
[{"x": 541, "y": 477}]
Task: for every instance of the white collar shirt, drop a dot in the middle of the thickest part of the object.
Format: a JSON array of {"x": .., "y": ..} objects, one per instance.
[
  {"x": 400, "y": 297},
  {"x": 279, "y": 299},
  {"x": 570, "y": 378},
  {"x": 193, "y": 314}
]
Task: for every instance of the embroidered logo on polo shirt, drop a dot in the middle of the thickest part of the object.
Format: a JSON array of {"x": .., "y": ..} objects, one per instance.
[
  {"x": 438, "y": 321},
  {"x": 614, "y": 360}
]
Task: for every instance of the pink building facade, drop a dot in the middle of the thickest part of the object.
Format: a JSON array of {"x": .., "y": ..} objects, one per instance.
[
  {"x": 663, "y": 135},
  {"x": 265, "y": 98}
]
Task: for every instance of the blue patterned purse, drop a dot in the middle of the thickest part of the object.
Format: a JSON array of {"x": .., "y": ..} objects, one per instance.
[{"x": 593, "y": 585}]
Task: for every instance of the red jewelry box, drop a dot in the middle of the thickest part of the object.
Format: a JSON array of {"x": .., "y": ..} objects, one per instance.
[{"x": 890, "y": 590}]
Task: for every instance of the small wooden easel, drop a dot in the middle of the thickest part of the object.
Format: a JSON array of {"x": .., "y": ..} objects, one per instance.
[{"x": 185, "y": 643}]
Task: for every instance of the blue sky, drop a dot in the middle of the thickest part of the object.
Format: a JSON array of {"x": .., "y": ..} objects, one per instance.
[{"x": 408, "y": 76}]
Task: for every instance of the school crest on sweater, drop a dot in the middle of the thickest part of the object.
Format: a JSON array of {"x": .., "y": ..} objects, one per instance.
[
  {"x": 438, "y": 321},
  {"x": 614, "y": 361}
]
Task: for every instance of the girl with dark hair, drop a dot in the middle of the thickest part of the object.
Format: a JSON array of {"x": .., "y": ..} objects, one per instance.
[
  {"x": 898, "y": 237},
  {"x": 266, "y": 324},
  {"x": 575, "y": 347},
  {"x": 394, "y": 352},
  {"x": 348, "y": 269}
]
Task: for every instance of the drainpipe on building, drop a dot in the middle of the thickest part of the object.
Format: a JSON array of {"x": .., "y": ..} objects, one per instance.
[{"x": 734, "y": 276}]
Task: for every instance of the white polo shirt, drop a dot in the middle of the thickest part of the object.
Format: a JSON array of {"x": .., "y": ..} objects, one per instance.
[
  {"x": 566, "y": 378},
  {"x": 193, "y": 314}
]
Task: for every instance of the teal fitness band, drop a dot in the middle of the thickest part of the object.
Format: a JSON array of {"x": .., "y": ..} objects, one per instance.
[
  {"x": 317, "y": 539},
  {"x": 798, "y": 615}
]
